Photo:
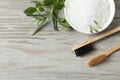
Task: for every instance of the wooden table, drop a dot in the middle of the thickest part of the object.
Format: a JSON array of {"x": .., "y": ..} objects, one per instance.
[{"x": 48, "y": 55}]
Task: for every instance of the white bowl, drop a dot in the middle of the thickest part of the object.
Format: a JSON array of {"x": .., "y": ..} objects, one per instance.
[{"x": 73, "y": 19}]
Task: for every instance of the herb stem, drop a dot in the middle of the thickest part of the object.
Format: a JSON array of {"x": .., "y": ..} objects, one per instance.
[
  {"x": 40, "y": 25},
  {"x": 38, "y": 11},
  {"x": 54, "y": 17},
  {"x": 45, "y": 10}
]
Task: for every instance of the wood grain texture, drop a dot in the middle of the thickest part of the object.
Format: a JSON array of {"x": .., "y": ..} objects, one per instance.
[{"x": 48, "y": 55}]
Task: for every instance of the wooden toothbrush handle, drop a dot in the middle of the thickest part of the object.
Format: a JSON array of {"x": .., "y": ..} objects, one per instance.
[
  {"x": 96, "y": 38},
  {"x": 100, "y": 57},
  {"x": 113, "y": 49}
]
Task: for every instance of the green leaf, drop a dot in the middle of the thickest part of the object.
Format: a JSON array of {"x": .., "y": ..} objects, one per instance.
[
  {"x": 41, "y": 9},
  {"x": 91, "y": 29},
  {"x": 55, "y": 24},
  {"x": 30, "y": 10},
  {"x": 63, "y": 22},
  {"x": 40, "y": 25},
  {"x": 58, "y": 5},
  {"x": 38, "y": 4},
  {"x": 49, "y": 2},
  {"x": 61, "y": 19},
  {"x": 97, "y": 24},
  {"x": 96, "y": 30}
]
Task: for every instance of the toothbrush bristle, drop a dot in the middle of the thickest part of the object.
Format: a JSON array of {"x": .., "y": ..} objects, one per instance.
[{"x": 83, "y": 50}]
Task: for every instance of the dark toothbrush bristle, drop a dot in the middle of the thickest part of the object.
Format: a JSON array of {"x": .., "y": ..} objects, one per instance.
[{"x": 83, "y": 50}]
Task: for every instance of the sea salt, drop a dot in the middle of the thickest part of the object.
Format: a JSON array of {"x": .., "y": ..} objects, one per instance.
[{"x": 82, "y": 13}]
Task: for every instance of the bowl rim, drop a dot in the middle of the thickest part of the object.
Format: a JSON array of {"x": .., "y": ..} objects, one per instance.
[{"x": 106, "y": 25}]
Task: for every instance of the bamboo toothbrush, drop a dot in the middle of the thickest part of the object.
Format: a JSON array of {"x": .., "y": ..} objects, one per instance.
[
  {"x": 86, "y": 46},
  {"x": 102, "y": 56}
]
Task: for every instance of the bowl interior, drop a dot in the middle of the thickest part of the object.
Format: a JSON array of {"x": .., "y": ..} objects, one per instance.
[{"x": 73, "y": 10}]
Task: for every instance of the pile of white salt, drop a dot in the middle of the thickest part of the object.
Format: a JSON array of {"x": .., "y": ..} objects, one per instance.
[{"x": 82, "y": 13}]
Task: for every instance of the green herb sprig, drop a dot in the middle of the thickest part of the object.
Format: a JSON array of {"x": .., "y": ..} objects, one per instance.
[
  {"x": 47, "y": 10},
  {"x": 95, "y": 29}
]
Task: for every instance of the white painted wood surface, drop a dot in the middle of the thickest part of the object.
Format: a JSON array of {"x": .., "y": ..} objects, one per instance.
[{"x": 48, "y": 55}]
